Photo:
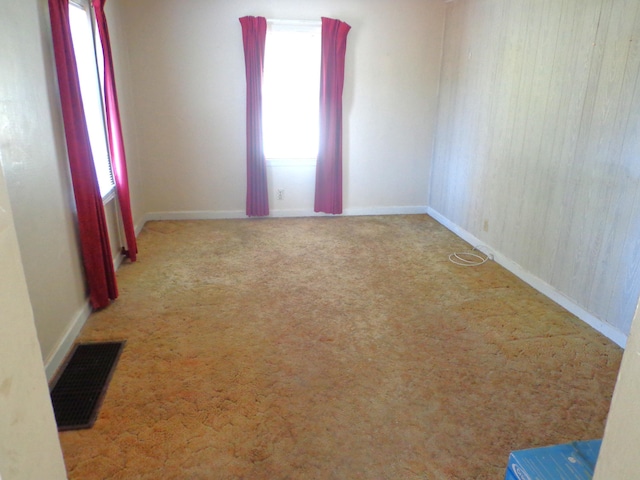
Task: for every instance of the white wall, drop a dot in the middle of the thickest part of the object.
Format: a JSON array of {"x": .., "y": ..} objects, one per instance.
[
  {"x": 187, "y": 81},
  {"x": 184, "y": 128},
  {"x": 29, "y": 446},
  {"x": 618, "y": 457},
  {"x": 39, "y": 182},
  {"x": 538, "y": 144},
  {"x": 120, "y": 51},
  {"x": 36, "y": 171}
]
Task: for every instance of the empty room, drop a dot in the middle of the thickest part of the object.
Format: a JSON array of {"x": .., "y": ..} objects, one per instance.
[{"x": 442, "y": 272}]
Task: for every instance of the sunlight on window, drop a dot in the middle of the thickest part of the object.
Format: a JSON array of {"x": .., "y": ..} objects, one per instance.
[
  {"x": 290, "y": 90},
  {"x": 85, "y": 53}
]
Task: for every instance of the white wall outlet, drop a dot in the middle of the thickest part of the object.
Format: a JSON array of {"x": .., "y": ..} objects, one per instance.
[{"x": 281, "y": 194}]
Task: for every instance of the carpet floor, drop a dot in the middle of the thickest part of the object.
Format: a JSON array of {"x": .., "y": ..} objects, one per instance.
[{"x": 332, "y": 348}]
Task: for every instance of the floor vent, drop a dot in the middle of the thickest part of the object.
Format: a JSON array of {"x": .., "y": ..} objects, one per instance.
[{"x": 79, "y": 389}]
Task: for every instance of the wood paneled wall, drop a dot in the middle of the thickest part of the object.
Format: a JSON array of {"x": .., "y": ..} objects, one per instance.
[{"x": 538, "y": 145}]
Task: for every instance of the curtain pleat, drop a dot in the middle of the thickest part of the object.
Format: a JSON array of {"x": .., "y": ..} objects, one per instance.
[
  {"x": 328, "y": 193},
  {"x": 94, "y": 237},
  {"x": 114, "y": 130},
  {"x": 254, "y": 33}
]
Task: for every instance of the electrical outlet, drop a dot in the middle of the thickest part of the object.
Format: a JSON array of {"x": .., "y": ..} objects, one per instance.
[
  {"x": 485, "y": 226},
  {"x": 281, "y": 194}
]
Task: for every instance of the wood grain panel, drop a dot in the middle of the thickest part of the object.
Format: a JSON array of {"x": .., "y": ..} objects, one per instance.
[{"x": 537, "y": 144}]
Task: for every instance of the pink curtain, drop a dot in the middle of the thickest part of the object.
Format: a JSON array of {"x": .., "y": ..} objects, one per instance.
[
  {"x": 328, "y": 197},
  {"x": 94, "y": 238},
  {"x": 254, "y": 34},
  {"x": 114, "y": 129}
]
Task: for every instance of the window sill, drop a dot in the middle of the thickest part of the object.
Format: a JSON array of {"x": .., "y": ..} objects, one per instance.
[{"x": 110, "y": 195}]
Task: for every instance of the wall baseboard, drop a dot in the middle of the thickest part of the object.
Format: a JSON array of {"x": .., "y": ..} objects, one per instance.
[
  {"x": 234, "y": 214},
  {"x": 137, "y": 228},
  {"x": 405, "y": 210},
  {"x": 64, "y": 345},
  {"x": 193, "y": 215},
  {"x": 53, "y": 363},
  {"x": 540, "y": 285}
]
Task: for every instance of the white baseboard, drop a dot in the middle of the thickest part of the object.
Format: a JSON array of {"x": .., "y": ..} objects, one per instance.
[
  {"x": 540, "y": 285},
  {"x": 62, "y": 348},
  {"x": 405, "y": 210},
  {"x": 54, "y": 361},
  {"x": 65, "y": 343},
  {"x": 194, "y": 215},
  {"x": 117, "y": 261},
  {"x": 140, "y": 225},
  {"x": 217, "y": 215}
]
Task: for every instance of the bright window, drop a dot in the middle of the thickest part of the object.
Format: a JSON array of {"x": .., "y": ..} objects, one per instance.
[
  {"x": 89, "y": 74},
  {"x": 291, "y": 90}
]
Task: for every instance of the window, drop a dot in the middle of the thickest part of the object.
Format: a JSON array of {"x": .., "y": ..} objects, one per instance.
[
  {"x": 89, "y": 74},
  {"x": 290, "y": 90}
]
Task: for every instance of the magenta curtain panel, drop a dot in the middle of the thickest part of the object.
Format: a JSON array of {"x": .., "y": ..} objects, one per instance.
[
  {"x": 114, "y": 130},
  {"x": 328, "y": 195},
  {"x": 94, "y": 238},
  {"x": 254, "y": 34}
]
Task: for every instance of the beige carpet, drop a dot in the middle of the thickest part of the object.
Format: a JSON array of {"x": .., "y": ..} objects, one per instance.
[{"x": 332, "y": 348}]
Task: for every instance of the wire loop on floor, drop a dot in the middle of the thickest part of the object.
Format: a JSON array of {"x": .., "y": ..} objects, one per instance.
[{"x": 473, "y": 258}]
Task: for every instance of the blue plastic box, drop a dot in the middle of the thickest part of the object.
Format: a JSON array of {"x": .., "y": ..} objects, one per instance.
[{"x": 571, "y": 461}]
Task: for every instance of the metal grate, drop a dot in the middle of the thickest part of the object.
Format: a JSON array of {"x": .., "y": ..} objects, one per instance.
[{"x": 80, "y": 388}]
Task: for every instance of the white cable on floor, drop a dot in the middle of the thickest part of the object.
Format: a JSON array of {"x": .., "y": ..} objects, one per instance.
[{"x": 470, "y": 259}]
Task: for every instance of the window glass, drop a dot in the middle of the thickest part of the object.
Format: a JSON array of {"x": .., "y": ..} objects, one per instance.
[
  {"x": 291, "y": 89},
  {"x": 84, "y": 47}
]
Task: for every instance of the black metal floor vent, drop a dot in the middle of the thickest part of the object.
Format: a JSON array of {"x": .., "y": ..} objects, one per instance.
[{"x": 79, "y": 389}]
